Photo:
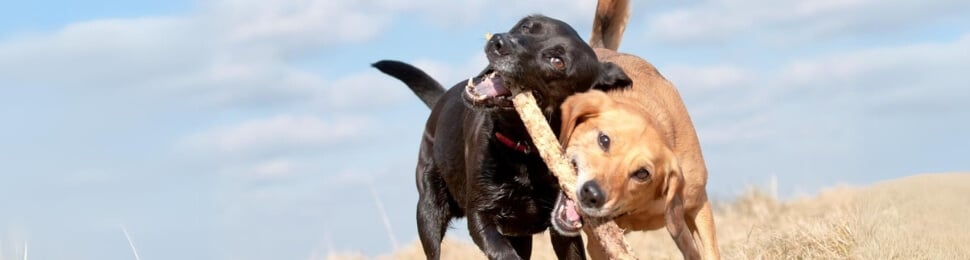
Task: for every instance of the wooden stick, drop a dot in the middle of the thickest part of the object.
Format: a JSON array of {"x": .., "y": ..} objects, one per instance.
[{"x": 608, "y": 233}]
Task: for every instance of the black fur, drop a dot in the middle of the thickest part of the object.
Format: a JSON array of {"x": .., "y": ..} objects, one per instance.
[
  {"x": 425, "y": 87},
  {"x": 463, "y": 171}
]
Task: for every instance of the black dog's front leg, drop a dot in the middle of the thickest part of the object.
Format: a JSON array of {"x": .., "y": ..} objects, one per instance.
[
  {"x": 486, "y": 236},
  {"x": 567, "y": 247}
]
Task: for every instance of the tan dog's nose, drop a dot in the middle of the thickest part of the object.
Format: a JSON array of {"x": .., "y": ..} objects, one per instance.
[{"x": 591, "y": 196}]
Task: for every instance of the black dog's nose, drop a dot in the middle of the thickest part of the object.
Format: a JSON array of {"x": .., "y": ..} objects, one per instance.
[
  {"x": 499, "y": 44},
  {"x": 591, "y": 196}
]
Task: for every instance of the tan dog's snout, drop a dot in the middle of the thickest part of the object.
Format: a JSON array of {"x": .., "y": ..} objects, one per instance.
[{"x": 591, "y": 196}]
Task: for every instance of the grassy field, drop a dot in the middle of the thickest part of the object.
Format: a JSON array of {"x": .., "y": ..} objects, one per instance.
[{"x": 918, "y": 217}]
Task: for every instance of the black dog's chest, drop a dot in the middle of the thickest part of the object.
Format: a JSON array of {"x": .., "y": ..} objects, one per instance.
[{"x": 523, "y": 196}]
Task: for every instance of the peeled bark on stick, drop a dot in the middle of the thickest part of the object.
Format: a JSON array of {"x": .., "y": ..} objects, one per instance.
[{"x": 609, "y": 234}]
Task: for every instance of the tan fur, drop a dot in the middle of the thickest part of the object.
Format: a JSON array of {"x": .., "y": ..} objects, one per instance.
[
  {"x": 649, "y": 127},
  {"x": 609, "y": 23}
]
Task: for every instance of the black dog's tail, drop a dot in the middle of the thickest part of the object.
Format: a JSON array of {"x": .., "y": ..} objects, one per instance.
[
  {"x": 609, "y": 23},
  {"x": 425, "y": 87}
]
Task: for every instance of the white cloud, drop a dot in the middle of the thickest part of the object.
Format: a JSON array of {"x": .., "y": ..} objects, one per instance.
[
  {"x": 791, "y": 21},
  {"x": 829, "y": 95},
  {"x": 880, "y": 77},
  {"x": 274, "y": 168},
  {"x": 227, "y": 52},
  {"x": 285, "y": 26},
  {"x": 112, "y": 53},
  {"x": 363, "y": 90},
  {"x": 877, "y": 64},
  {"x": 746, "y": 130},
  {"x": 281, "y": 132},
  {"x": 235, "y": 52},
  {"x": 463, "y": 13},
  {"x": 707, "y": 78}
]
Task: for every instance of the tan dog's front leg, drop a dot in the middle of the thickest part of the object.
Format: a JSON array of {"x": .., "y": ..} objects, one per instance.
[
  {"x": 677, "y": 226},
  {"x": 703, "y": 222},
  {"x": 675, "y": 216}
]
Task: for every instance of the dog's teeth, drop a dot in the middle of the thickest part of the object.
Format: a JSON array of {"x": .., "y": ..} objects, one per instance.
[
  {"x": 471, "y": 82},
  {"x": 488, "y": 36}
]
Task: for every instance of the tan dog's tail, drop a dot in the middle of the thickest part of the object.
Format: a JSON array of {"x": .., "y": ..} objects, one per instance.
[{"x": 609, "y": 23}]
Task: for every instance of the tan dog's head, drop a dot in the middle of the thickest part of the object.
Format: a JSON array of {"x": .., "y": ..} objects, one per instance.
[{"x": 625, "y": 165}]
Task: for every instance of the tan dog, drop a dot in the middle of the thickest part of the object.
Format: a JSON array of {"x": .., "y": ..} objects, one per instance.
[
  {"x": 638, "y": 160},
  {"x": 636, "y": 151}
]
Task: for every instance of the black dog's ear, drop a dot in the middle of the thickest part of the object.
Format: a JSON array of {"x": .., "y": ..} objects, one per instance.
[{"x": 610, "y": 77}]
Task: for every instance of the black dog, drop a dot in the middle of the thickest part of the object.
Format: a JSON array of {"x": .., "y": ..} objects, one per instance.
[{"x": 474, "y": 160}]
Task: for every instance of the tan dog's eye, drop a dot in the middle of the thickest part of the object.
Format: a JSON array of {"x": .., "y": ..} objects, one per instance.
[
  {"x": 558, "y": 63},
  {"x": 604, "y": 141},
  {"x": 641, "y": 174}
]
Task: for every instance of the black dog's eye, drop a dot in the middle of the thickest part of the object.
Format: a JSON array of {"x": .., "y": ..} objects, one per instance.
[
  {"x": 604, "y": 141},
  {"x": 641, "y": 174},
  {"x": 557, "y": 62}
]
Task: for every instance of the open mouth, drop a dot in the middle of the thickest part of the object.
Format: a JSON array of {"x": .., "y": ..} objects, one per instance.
[
  {"x": 565, "y": 216},
  {"x": 488, "y": 90}
]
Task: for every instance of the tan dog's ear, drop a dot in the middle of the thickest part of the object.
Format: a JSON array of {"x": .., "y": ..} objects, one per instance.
[
  {"x": 577, "y": 108},
  {"x": 674, "y": 215}
]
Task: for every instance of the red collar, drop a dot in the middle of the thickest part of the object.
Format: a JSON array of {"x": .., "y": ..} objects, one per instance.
[{"x": 522, "y": 147}]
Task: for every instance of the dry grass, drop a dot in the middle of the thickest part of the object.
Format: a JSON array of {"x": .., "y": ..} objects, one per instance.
[{"x": 918, "y": 217}]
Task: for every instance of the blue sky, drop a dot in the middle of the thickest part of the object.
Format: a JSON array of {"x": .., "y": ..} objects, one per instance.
[{"x": 255, "y": 129}]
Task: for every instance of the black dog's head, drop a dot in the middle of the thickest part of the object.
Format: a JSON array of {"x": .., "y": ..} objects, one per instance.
[{"x": 543, "y": 55}]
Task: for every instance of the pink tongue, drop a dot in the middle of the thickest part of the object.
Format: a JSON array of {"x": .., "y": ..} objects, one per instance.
[
  {"x": 491, "y": 87},
  {"x": 571, "y": 213}
]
